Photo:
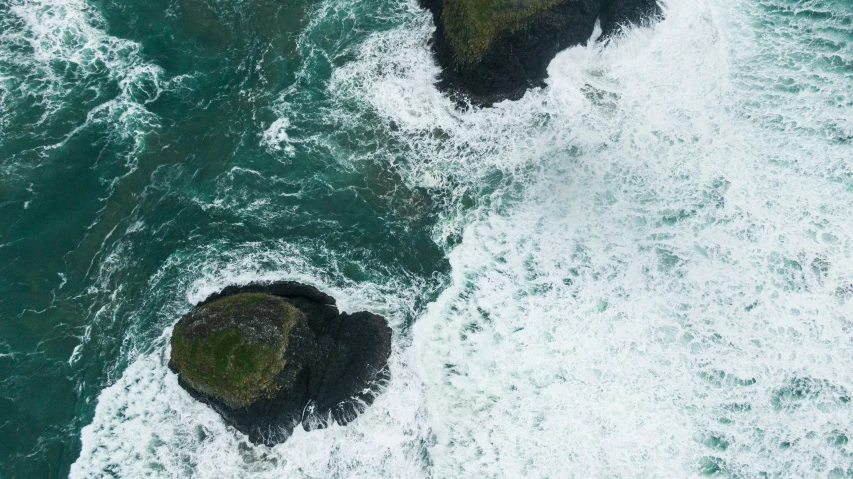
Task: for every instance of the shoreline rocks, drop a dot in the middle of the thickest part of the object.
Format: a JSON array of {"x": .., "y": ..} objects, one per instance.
[
  {"x": 492, "y": 50},
  {"x": 268, "y": 357}
]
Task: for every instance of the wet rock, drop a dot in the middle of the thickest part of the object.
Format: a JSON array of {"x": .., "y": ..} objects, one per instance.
[
  {"x": 492, "y": 50},
  {"x": 268, "y": 357}
]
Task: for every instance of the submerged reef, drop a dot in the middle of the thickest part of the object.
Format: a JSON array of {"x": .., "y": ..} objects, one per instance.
[
  {"x": 492, "y": 50},
  {"x": 268, "y": 357}
]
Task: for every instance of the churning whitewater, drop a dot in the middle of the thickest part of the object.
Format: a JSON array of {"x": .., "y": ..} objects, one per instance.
[{"x": 650, "y": 259}]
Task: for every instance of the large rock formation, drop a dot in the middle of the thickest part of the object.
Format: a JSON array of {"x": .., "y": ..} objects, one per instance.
[
  {"x": 491, "y": 50},
  {"x": 268, "y": 357}
]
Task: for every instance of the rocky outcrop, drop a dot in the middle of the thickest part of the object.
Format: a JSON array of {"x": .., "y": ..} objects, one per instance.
[
  {"x": 491, "y": 50},
  {"x": 268, "y": 357}
]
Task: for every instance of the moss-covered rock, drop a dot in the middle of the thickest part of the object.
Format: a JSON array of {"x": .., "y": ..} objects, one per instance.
[
  {"x": 491, "y": 50},
  {"x": 269, "y": 356},
  {"x": 472, "y": 26},
  {"x": 233, "y": 348}
]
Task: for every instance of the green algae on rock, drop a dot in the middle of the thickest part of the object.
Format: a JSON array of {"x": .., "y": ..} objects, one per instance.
[
  {"x": 233, "y": 348},
  {"x": 269, "y": 356},
  {"x": 472, "y": 26}
]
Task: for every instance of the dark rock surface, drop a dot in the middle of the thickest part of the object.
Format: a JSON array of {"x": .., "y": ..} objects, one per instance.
[
  {"x": 335, "y": 365},
  {"x": 492, "y": 50}
]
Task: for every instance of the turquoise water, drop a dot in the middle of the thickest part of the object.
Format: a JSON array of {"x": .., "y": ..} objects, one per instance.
[{"x": 642, "y": 270}]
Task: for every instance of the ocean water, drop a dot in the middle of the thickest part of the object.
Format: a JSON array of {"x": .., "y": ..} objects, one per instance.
[{"x": 644, "y": 269}]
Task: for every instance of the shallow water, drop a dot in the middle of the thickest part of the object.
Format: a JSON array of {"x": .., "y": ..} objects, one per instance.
[{"x": 641, "y": 270}]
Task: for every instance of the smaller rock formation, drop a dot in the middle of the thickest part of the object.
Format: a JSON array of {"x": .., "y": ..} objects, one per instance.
[
  {"x": 268, "y": 357},
  {"x": 492, "y": 50}
]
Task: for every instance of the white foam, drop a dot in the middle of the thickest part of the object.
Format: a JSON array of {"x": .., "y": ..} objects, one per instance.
[
  {"x": 276, "y": 136},
  {"x": 57, "y": 52},
  {"x": 649, "y": 304}
]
